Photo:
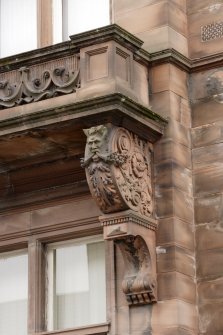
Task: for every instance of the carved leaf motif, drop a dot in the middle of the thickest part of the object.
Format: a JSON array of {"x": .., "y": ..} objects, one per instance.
[{"x": 134, "y": 177}]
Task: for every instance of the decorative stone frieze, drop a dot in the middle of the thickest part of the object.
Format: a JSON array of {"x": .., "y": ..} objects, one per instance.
[
  {"x": 31, "y": 88},
  {"x": 118, "y": 170}
]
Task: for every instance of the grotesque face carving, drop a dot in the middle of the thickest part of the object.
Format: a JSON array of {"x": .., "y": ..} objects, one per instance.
[
  {"x": 95, "y": 138},
  {"x": 94, "y": 143}
]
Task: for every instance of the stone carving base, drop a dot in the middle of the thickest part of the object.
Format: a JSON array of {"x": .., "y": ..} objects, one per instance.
[{"x": 134, "y": 234}]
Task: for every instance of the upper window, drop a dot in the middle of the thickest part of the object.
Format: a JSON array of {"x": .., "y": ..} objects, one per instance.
[
  {"x": 76, "y": 284},
  {"x": 18, "y": 26},
  {"x": 26, "y": 24},
  {"x": 13, "y": 293}
]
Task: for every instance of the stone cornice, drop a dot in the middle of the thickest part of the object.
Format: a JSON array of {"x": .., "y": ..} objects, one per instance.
[
  {"x": 116, "y": 108},
  {"x": 112, "y": 32},
  {"x": 187, "y": 64}
]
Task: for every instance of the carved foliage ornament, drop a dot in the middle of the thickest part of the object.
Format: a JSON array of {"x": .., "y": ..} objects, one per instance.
[
  {"x": 138, "y": 284},
  {"x": 50, "y": 84},
  {"x": 118, "y": 170}
]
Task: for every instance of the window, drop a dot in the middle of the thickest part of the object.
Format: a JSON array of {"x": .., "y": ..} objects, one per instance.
[
  {"x": 76, "y": 284},
  {"x": 79, "y": 16},
  {"x": 26, "y": 24},
  {"x": 18, "y": 26},
  {"x": 13, "y": 293}
]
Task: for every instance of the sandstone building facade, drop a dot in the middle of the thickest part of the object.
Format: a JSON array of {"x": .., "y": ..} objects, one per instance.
[{"x": 111, "y": 174}]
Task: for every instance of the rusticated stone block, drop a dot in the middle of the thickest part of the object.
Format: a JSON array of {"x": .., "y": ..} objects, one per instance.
[
  {"x": 144, "y": 18},
  {"x": 207, "y": 156},
  {"x": 208, "y": 209},
  {"x": 173, "y": 258},
  {"x": 166, "y": 104},
  {"x": 169, "y": 77},
  {"x": 201, "y": 113},
  {"x": 168, "y": 149},
  {"x": 170, "y": 174},
  {"x": 209, "y": 180},
  {"x": 172, "y": 230},
  {"x": 207, "y": 134},
  {"x": 175, "y": 285},
  {"x": 151, "y": 15},
  {"x": 121, "y": 6},
  {"x": 173, "y": 202},
  {"x": 170, "y": 105},
  {"x": 210, "y": 291},
  {"x": 210, "y": 235},
  {"x": 173, "y": 313},
  {"x": 199, "y": 6},
  {"x": 209, "y": 263},
  {"x": 178, "y": 133},
  {"x": 162, "y": 38},
  {"x": 210, "y": 318}
]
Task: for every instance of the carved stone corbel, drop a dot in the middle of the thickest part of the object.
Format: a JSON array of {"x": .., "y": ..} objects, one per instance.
[
  {"x": 134, "y": 234},
  {"x": 118, "y": 170}
]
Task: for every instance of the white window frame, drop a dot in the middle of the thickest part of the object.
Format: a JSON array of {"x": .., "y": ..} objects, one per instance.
[{"x": 50, "y": 278}]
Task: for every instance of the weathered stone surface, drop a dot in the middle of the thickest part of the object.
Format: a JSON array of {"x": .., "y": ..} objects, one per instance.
[
  {"x": 209, "y": 180},
  {"x": 178, "y": 133},
  {"x": 172, "y": 230},
  {"x": 172, "y": 313},
  {"x": 70, "y": 212},
  {"x": 208, "y": 209},
  {"x": 205, "y": 5},
  {"x": 210, "y": 291},
  {"x": 144, "y": 18},
  {"x": 170, "y": 174},
  {"x": 14, "y": 223},
  {"x": 172, "y": 106},
  {"x": 173, "y": 258},
  {"x": 208, "y": 134},
  {"x": 163, "y": 38},
  {"x": 208, "y": 156},
  {"x": 169, "y": 149},
  {"x": 174, "y": 285},
  {"x": 210, "y": 235},
  {"x": 120, "y": 6},
  {"x": 202, "y": 115},
  {"x": 211, "y": 321},
  {"x": 173, "y": 202},
  {"x": 169, "y": 77},
  {"x": 175, "y": 331},
  {"x": 209, "y": 263}
]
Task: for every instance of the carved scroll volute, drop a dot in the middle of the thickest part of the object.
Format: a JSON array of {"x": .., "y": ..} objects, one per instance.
[
  {"x": 139, "y": 284},
  {"x": 118, "y": 170}
]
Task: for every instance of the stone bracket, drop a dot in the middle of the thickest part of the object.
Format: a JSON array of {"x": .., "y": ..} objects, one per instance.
[{"x": 134, "y": 235}]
